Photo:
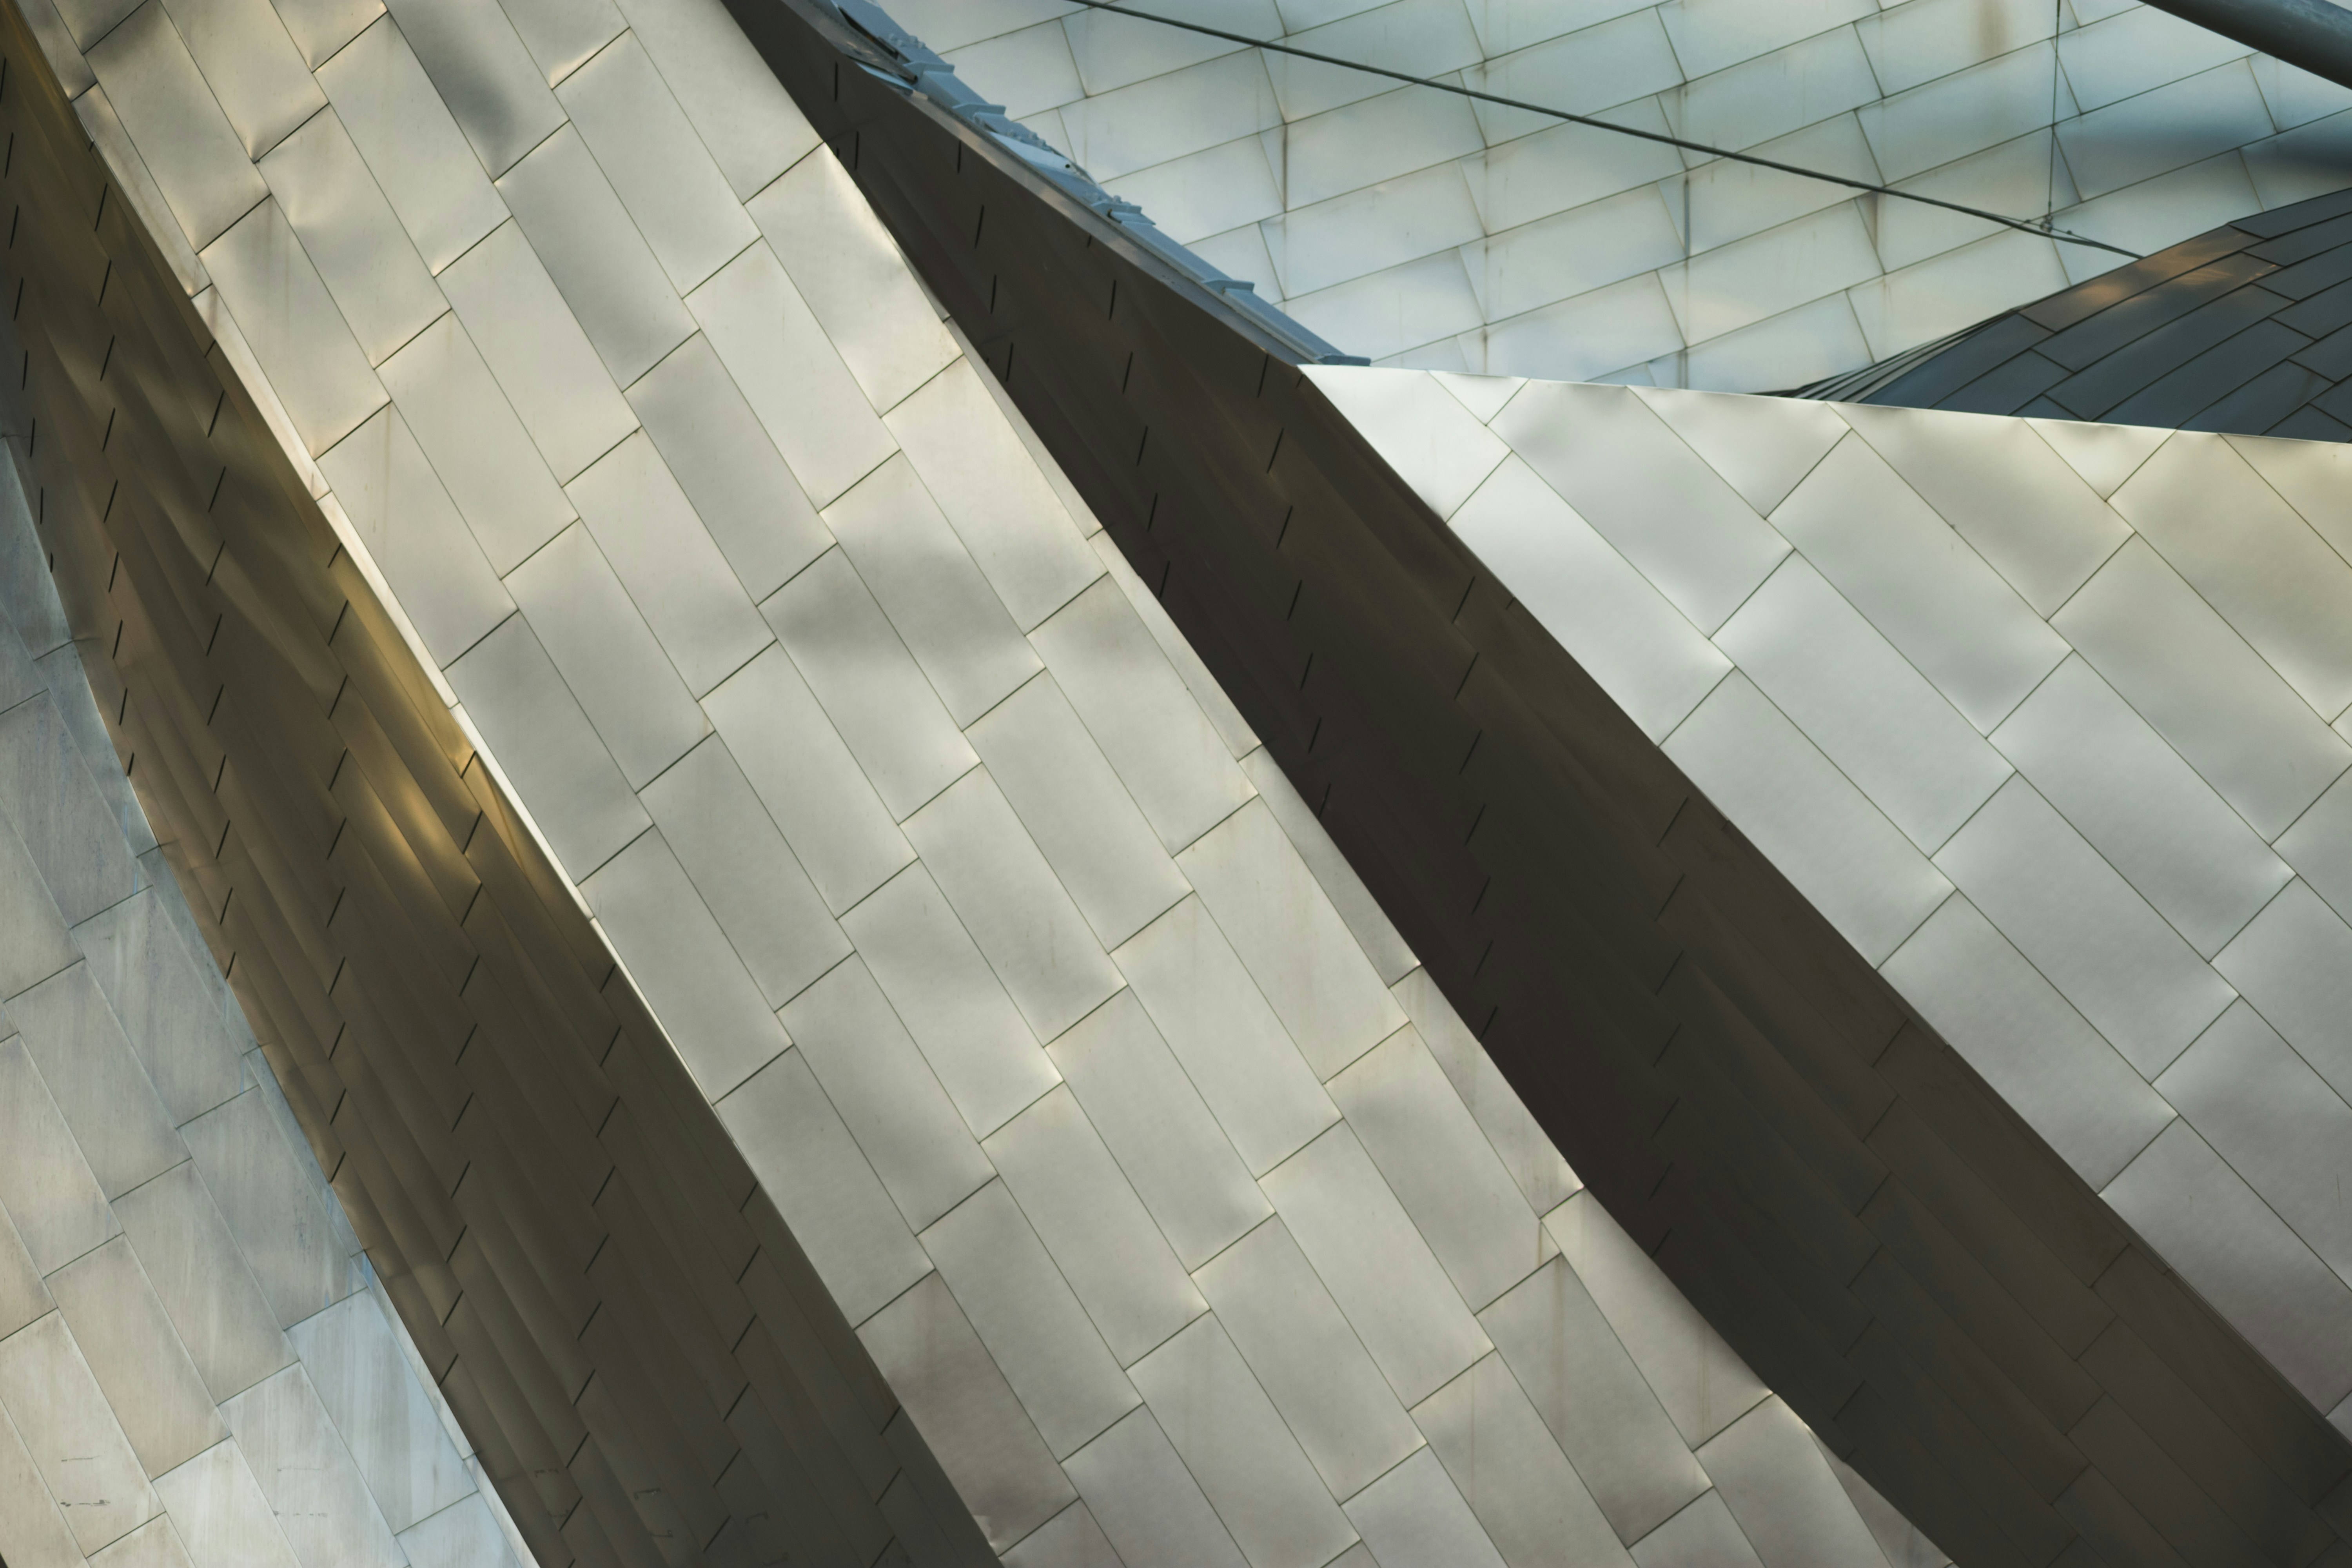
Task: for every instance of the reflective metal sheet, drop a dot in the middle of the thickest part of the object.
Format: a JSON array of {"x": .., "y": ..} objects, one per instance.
[
  {"x": 1071, "y": 1539},
  {"x": 2105, "y": 455},
  {"x": 203, "y": 1281},
  {"x": 356, "y": 1365},
  {"x": 197, "y": 157},
  {"x": 352, "y": 235},
  {"x": 275, "y": 1204},
  {"x": 96, "y": 1080},
  {"x": 320, "y": 28},
  {"x": 33, "y": 940},
  {"x": 220, "y": 1513},
  {"x": 1703, "y": 1535},
  {"x": 849, "y": 271},
  {"x": 123, "y": 160},
  {"x": 747, "y": 120},
  {"x": 1366, "y": 921},
  {"x": 154, "y": 1544},
  {"x": 1435, "y": 443},
  {"x": 1513, "y": 1476},
  {"x": 23, "y": 1297},
  {"x": 140, "y": 1368},
  {"x": 561, "y": 34},
  {"x": 2291, "y": 962},
  {"x": 31, "y": 1531},
  {"x": 56, "y": 1202},
  {"x": 300, "y": 338},
  {"x": 72, "y": 1435},
  {"x": 1523, "y": 1146},
  {"x": 60, "y": 815},
  {"x": 260, "y": 81},
  {"x": 534, "y": 346},
  {"x": 484, "y": 75},
  {"x": 414, "y": 147},
  {"x": 303, "y": 1468},
  {"x": 1414, "y": 1516},
  {"x": 1781, "y": 1491},
  {"x": 658, "y": 167},
  {"x": 462, "y": 1535},
  {"x": 1149, "y": 1504},
  {"x": 1762, "y": 448}
]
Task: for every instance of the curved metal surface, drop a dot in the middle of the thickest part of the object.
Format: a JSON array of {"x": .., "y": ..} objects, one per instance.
[
  {"x": 1888, "y": 1245},
  {"x": 647, "y": 1364},
  {"x": 2310, "y": 34}
]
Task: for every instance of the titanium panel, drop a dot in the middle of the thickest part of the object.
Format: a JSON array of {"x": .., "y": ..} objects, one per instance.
[
  {"x": 1366, "y": 921},
  {"x": 296, "y": 331},
  {"x": 31, "y": 1531},
  {"x": 1758, "y": 448},
  {"x": 51, "y": 1196},
  {"x": 152, "y": 1545},
  {"x": 1513, "y": 1476},
  {"x": 96, "y": 1080},
  {"x": 463, "y": 1535},
  {"x": 251, "y": 67},
  {"x": 1413, "y": 1517},
  {"x": 33, "y": 940},
  {"x": 1782, "y": 1494},
  {"x": 352, "y": 236},
  {"x": 562, "y": 34},
  {"x": 23, "y": 1297},
  {"x": 744, "y": 113},
  {"x": 1436, "y": 445},
  {"x": 413, "y": 146},
  {"x": 307, "y": 1476},
  {"x": 58, "y": 813},
  {"x": 197, "y": 157},
  {"x": 72, "y": 1435},
  {"x": 1703, "y": 1535},
  {"x": 1519, "y": 1140},
  {"x": 363, "y": 1381},
  {"x": 2289, "y": 964},
  {"x": 121, "y": 1329},
  {"x": 207, "y": 1290},
  {"x": 1148, "y": 1504},
  {"x": 219, "y": 1511},
  {"x": 484, "y": 75},
  {"x": 273, "y": 1206}
]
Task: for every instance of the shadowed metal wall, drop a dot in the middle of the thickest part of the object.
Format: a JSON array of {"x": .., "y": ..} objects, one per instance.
[
  {"x": 1884, "y": 1240},
  {"x": 637, "y": 1346}
]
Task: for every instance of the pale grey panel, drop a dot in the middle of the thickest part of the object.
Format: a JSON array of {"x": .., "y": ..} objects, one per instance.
[
  {"x": 19, "y": 677},
  {"x": 562, "y": 34},
  {"x": 255, "y": 73},
  {"x": 2171, "y": 658},
  {"x": 1154, "y": 1123},
  {"x": 2111, "y": 955},
  {"x": 354, "y": 1363},
  {"x": 313, "y": 363},
  {"x": 34, "y": 944},
  {"x": 321, "y": 28},
  {"x": 86, "y": 21},
  {"x": 595, "y": 254},
  {"x": 966, "y": 1413},
  {"x": 675, "y": 574},
  {"x": 1379, "y": 1267},
  {"x": 534, "y": 346},
  {"x": 2275, "y": 1121},
  {"x": 745, "y": 871},
  {"x": 1917, "y": 581},
  {"x": 62, "y": 671},
  {"x": 1643, "y": 650},
  {"x": 31, "y": 1531},
  {"x": 848, "y": 268},
  {"x": 893, "y": 1107},
  {"x": 404, "y": 129},
  {"x": 1862, "y": 703},
  {"x": 1517, "y": 1139},
  {"x": 1021, "y": 917},
  {"x": 59, "y": 814},
  {"x": 1391, "y": 960},
  {"x": 1413, "y": 1517},
  {"x": 1701, "y": 1381},
  {"x": 1077, "y": 810},
  {"x": 2226, "y": 1242},
  {"x": 1434, "y": 442},
  {"x": 951, "y": 1001},
  {"x": 657, "y": 165},
  {"x": 2014, "y": 1028},
  {"x": 1512, "y": 1473},
  {"x": 706, "y": 1000},
  {"x": 2319, "y": 844},
  {"x": 275, "y": 1204},
  {"x": 1239, "y": 739},
  {"x": 1786, "y": 1501},
  {"x": 1901, "y": 1541},
  {"x": 137, "y": 1359},
  {"x": 1236, "y": 1446},
  {"x": 2145, "y": 809},
  {"x": 1763, "y": 449},
  {"x": 804, "y": 397},
  {"x": 1291, "y": 940},
  {"x": 869, "y": 683},
  {"x": 72, "y": 1435},
  {"x": 1857, "y": 867},
  {"x": 28, "y": 593},
  {"x": 988, "y": 486},
  {"x": 746, "y": 119},
  {"x": 462, "y": 1535},
  {"x": 477, "y": 445},
  {"x": 546, "y": 745},
  {"x": 820, "y": 1183},
  {"x": 154, "y": 1544},
  {"x": 314, "y": 1489},
  {"x": 1647, "y": 493},
  {"x": 59, "y": 46},
  {"x": 2105, "y": 455},
  {"x": 1229, "y": 1040},
  {"x": 2252, "y": 558},
  {"x": 803, "y": 774},
  {"x": 1096, "y": 1229},
  {"x": 1703, "y": 1535},
  {"x": 50, "y": 1192},
  {"x": 1147, "y": 1503},
  {"x": 608, "y": 656},
  {"x": 2294, "y": 963},
  {"x": 1071, "y": 1539},
  {"x": 485, "y": 75},
  {"x": 1024, "y": 1312},
  {"x": 23, "y": 1297},
  {"x": 2005, "y": 490},
  {"x": 401, "y": 513},
  {"x": 1607, "y": 1420},
  {"x": 220, "y": 1513},
  {"x": 728, "y": 467},
  {"x": 1309, "y": 1360},
  {"x": 1426, "y": 1145},
  {"x": 198, "y": 160},
  {"x": 1142, "y": 716},
  {"x": 203, "y": 1280},
  {"x": 951, "y": 620}
]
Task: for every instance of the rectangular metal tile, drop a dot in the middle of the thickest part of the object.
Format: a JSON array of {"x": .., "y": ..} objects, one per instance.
[
  {"x": 886, "y": 1094},
  {"x": 60, "y": 817},
  {"x": 2290, "y": 963},
  {"x": 1704, "y": 1532},
  {"x": 485, "y": 75},
  {"x": 203, "y": 1281},
  {"x": 1517, "y": 1481},
  {"x": 23, "y": 1297},
  {"x": 535, "y": 348},
  {"x": 1230, "y": 1437},
  {"x": 745, "y": 117},
  {"x": 729, "y": 468},
  {"x": 804, "y": 397},
  {"x": 55, "y": 1202},
  {"x": 154, "y": 1544},
  {"x": 706, "y": 1000},
  {"x": 352, "y": 236},
  {"x": 745, "y": 871},
  {"x": 805, "y": 775},
  {"x": 196, "y": 156},
  {"x": 1516, "y": 1138},
  {"x": 596, "y": 256},
  {"x": 1414, "y": 1516},
  {"x": 314, "y": 365},
  {"x": 953, "y": 1002},
  {"x": 1435, "y": 443},
  {"x": 306, "y": 1473},
  {"x": 220, "y": 1513},
  {"x": 658, "y": 167},
  {"x": 1391, "y": 960},
  {"x": 562, "y": 35},
  {"x": 96, "y": 1080},
  {"x": 869, "y": 683},
  {"x": 276, "y": 1203},
  {"x": 847, "y": 268},
  {"x": 462, "y": 1535},
  {"x": 1781, "y": 1490},
  {"x": 251, "y": 65},
  {"x": 401, "y": 126},
  {"x": 72, "y": 1435},
  {"x": 356, "y": 1365},
  {"x": 32, "y": 1533},
  {"x": 33, "y": 940},
  {"x": 321, "y": 28},
  {"x": 138, "y": 1361},
  {"x": 1149, "y": 1505},
  {"x": 1239, "y": 739}
]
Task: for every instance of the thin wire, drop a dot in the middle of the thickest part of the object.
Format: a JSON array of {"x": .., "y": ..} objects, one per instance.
[{"x": 2043, "y": 226}]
